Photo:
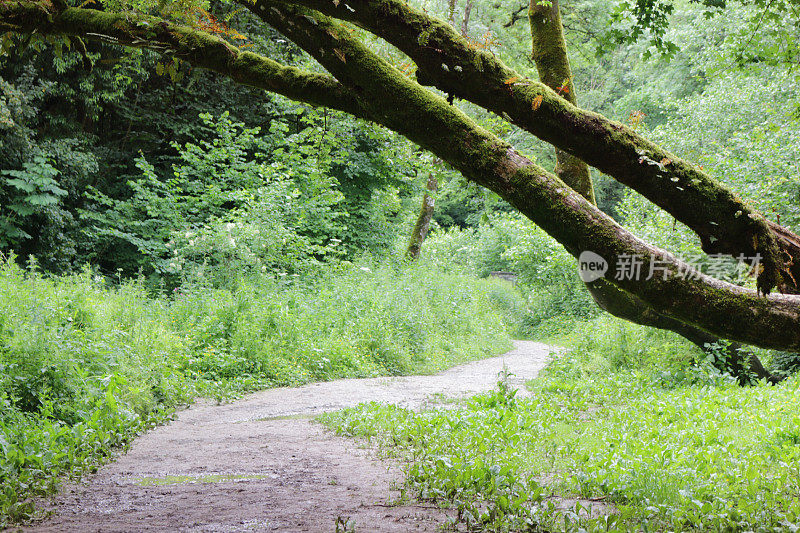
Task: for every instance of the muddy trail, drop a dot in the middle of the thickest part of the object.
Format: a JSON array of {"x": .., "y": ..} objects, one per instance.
[{"x": 261, "y": 464}]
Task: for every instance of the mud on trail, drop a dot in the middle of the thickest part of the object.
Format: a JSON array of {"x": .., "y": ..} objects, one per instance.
[{"x": 260, "y": 464}]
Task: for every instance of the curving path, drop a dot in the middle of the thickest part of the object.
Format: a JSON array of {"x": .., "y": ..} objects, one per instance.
[{"x": 259, "y": 464}]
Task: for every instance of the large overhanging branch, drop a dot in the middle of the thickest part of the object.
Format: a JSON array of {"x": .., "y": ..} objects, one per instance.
[
  {"x": 724, "y": 223},
  {"x": 376, "y": 90}
]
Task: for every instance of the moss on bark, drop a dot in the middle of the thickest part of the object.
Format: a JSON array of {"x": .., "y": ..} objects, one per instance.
[{"x": 724, "y": 223}]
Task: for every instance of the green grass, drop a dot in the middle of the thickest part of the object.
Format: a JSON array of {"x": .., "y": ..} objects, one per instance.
[
  {"x": 624, "y": 419},
  {"x": 86, "y": 365}
]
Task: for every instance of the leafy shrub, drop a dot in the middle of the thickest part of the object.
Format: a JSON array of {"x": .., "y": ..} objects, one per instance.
[
  {"x": 785, "y": 363},
  {"x": 242, "y": 201}
]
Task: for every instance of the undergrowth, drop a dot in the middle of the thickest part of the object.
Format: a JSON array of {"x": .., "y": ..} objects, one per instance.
[
  {"x": 628, "y": 431},
  {"x": 86, "y": 364}
]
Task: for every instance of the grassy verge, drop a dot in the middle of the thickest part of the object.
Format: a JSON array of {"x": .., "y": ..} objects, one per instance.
[
  {"x": 85, "y": 366},
  {"x": 624, "y": 423}
]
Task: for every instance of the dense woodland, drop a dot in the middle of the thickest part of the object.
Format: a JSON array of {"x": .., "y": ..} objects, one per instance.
[{"x": 168, "y": 233}]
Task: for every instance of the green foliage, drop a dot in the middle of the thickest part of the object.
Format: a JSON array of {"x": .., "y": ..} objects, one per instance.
[
  {"x": 85, "y": 365},
  {"x": 88, "y": 124},
  {"x": 267, "y": 193},
  {"x": 602, "y": 426},
  {"x": 547, "y": 274},
  {"x": 753, "y": 150},
  {"x": 28, "y": 191},
  {"x": 785, "y": 363},
  {"x": 765, "y": 31}
]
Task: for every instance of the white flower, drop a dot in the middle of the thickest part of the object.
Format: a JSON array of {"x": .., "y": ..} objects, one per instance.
[{"x": 366, "y": 269}]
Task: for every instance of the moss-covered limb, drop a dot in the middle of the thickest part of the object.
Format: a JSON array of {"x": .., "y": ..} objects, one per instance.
[
  {"x": 199, "y": 48},
  {"x": 391, "y": 98},
  {"x": 724, "y": 223},
  {"x": 740, "y": 362},
  {"x": 403, "y": 105},
  {"x": 423, "y": 223},
  {"x": 549, "y": 53},
  {"x": 721, "y": 309}
]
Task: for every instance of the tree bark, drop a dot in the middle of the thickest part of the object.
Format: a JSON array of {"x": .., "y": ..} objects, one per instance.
[
  {"x": 423, "y": 223},
  {"x": 368, "y": 86},
  {"x": 724, "y": 223}
]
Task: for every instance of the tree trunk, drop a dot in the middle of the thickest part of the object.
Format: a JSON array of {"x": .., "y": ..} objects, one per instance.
[
  {"x": 465, "y": 20},
  {"x": 423, "y": 223},
  {"x": 549, "y": 53},
  {"x": 741, "y": 363}
]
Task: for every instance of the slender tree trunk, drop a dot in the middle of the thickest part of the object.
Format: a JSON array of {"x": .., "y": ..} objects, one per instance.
[
  {"x": 451, "y": 12},
  {"x": 465, "y": 21},
  {"x": 549, "y": 53},
  {"x": 423, "y": 224}
]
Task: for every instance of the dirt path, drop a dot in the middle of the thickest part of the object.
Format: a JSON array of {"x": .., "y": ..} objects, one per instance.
[{"x": 259, "y": 464}]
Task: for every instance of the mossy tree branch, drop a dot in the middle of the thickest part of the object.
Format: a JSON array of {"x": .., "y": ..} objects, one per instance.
[
  {"x": 724, "y": 223},
  {"x": 199, "y": 48}
]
